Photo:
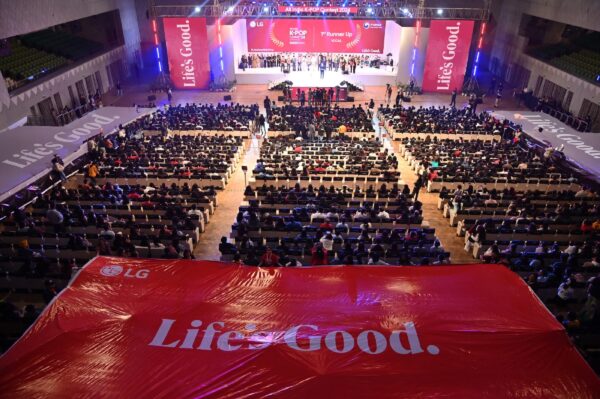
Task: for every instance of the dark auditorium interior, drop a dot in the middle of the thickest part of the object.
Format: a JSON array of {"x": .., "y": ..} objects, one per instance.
[{"x": 299, "y": 143}]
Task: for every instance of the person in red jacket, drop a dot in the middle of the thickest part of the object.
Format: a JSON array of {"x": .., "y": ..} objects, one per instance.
[{"x": 319, "y": 255}]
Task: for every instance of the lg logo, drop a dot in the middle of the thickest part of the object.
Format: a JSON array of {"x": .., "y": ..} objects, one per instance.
[
  {"x": 115, "y": 270},
  {"x": 254, "y": 24}
]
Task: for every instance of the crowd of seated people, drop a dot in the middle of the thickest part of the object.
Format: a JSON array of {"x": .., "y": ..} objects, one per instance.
[
  {"x": 375, "y": 222},
  {"x": 551, "y": 238},
  {"x": 160, "y": 156},
  {"x": 228, "y": 117},
  {"x": 301, "y": 226},
  {"x": 440, "y": 120},
  {"x": 479, "y": 161},
  {"x": 285, "y": 157},
  {"x": 311, "y": 121}
]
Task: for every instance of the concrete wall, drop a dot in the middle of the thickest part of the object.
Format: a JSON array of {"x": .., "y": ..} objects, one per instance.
[
  {"x": 18, "y": 18},
  {"x": 508, "y": 45},
  {"x": 14, "y": 108}
]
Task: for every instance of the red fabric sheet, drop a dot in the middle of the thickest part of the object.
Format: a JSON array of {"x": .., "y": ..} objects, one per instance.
[{"x": 133, "y": 328}]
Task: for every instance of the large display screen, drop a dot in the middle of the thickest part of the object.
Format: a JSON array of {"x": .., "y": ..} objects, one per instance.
[
  {"x": 315, "y": 35},
  {"x": 447, "y": 55},
  {"x": 187, "y": 51}
]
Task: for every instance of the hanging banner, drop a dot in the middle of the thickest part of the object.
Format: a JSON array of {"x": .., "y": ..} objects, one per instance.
[
  {"x": 316, "y": 35},
  {"x": 187, "y": 51},
  {"x": 135, "y": 328},
  {"x": 447, "y": 55},
  {"x": 305, "y": 9}
]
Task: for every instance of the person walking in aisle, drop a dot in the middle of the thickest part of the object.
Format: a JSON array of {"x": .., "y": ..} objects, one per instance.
[
  {"x": 498, "y": 99},
  {"x": 453, "y": 99},
  {"x": 262, "y": 125},
  {"x": 388, "y": 93}
]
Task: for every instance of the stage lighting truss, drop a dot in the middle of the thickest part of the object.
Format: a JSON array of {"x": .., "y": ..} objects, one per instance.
[{"x": 393, "y": 10}]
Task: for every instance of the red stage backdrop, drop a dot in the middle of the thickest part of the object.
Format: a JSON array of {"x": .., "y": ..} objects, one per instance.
[
  {"x": 133, "y": 328},
  {"x": 187, "y": 51},
  {"x": 315, "y": 35},
  {"x": 447, "y": 55}
]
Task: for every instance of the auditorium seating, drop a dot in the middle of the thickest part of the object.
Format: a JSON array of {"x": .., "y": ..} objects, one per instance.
[
  {"x": 491, "y": 165},
  {"x": 28, "y": 63},
  {"x": 62, "y": 43},
  {"x": 441, "y": 122}
]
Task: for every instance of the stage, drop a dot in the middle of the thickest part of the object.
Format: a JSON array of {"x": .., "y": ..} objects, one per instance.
[{"x": 363, "y": 77}]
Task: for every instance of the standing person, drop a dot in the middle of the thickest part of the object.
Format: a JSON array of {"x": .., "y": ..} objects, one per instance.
[
  {"x": 330, "y": 96},
  {"x": 453, "y": 99},
  {"x": 398, "y": 98},
  {"x": 417, "y": 188},
  {"x": 119, "y": 90},
  {"x": 411, "y": 86},
  {"x": 92, "y": 172},
  {"x": 312, "y": 131},
  {"x": 58, "y": 166},
  {"x": 322, "y": 67},
  {"x": 337, "y": 94},
  {"x": 267, "y": 104},
  {"x": 169, "y": 95},
  {"x": 302, "y": 98},
  {"x": 388, "y": 93},
  {"x": 262, "y": 125},
  {"x": 498, "y": 98}
]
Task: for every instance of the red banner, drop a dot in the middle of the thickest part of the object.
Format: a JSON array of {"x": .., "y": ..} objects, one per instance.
[
  {"x": 315, "y": 35},
  {"x": 187, "y": 51},
  {"x": 332, "y": 10},
  {"x": 447, "y": 55},
  {"x": 135, "y": 328}
]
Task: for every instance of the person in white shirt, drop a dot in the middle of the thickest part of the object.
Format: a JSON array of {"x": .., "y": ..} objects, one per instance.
[
  {"x": 565, "y": 291},
  {"x": 374, "y": 260},
  {"x": 540, "y": 249},
  {"x": 383, "y": 214},
  {"x": 194, "y": 211},
  {"x": 327, "y": 241},
  {"x": 317, "y": 215},
  {"x": 571, "y": 249}
]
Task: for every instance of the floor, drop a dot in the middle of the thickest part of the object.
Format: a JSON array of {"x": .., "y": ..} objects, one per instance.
[{"x": 230, "y": 199}]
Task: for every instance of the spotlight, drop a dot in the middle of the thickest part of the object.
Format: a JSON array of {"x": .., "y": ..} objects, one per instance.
[
  {"x": 440, "y": 11},
  {"x": 266, "y": 9},
  {"x": 196, "y": 9},
  {"x": 405, "y": 11},
  {"x": 370, "y": 10},
  {"x": 230, "y": 9}
]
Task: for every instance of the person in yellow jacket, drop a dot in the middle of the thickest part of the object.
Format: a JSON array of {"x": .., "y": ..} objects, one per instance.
[{"x": 92, "y": 172}]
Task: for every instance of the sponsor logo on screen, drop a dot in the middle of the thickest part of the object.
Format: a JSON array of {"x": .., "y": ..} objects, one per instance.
[
  {"x": 302, "y": 338},
  {"x": 256, "y": 24}
]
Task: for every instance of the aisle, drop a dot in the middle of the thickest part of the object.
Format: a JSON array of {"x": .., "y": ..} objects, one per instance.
[
  {"x": 228, "y": 203},
  {"x": 445, "y": 233}
]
